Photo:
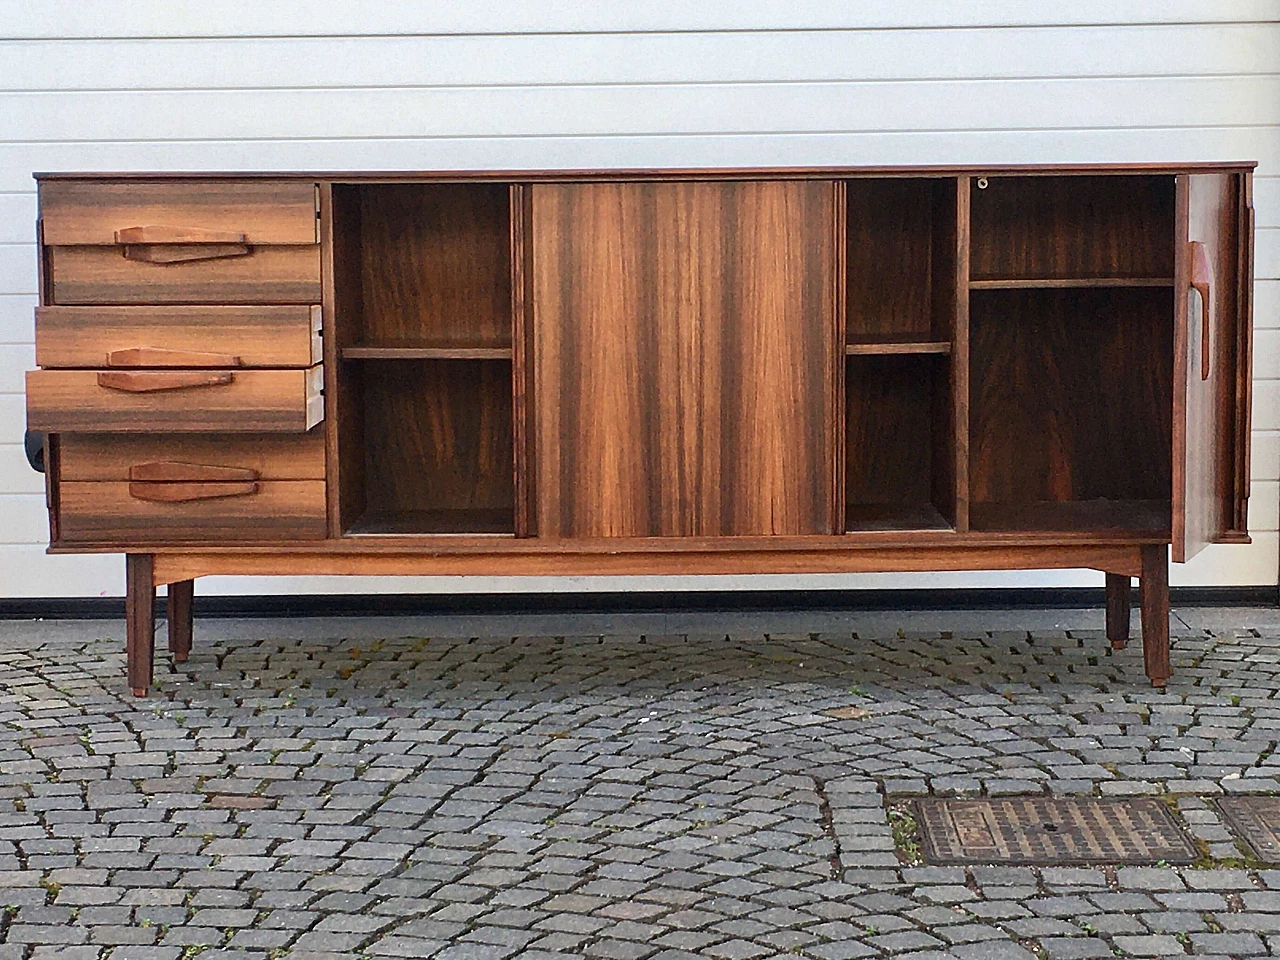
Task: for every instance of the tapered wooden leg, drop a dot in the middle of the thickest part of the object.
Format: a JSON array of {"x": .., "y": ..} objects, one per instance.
[
  {"x": 1153, "y": 587},
  {"x": 140, "y": 620},
  {"x": 179, "y": 617},
  {"x": 1117, "y": 610}
]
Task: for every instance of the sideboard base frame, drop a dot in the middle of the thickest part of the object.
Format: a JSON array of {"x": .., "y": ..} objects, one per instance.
[{"x": 179, "y": 570}]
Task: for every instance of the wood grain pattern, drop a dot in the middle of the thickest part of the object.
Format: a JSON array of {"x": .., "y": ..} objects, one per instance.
[
  {"x": 1070, "y": 395},
  {"x": 269, "y": 457},
  {"x": 256, "y": 336},
  {"x": 172, "y": 471},
  {"x": 255, "y": 401},
  {"x": 1204, "y": 486},
  {"x": 895, "y": 407},
  {"x": 365, "y": 560},
  {"x": 437, "y": 438},
  {"x": 90, "y": 211},
  {"x": 106, "y": 512},
  {"x": 435, "y": 267},
  {"x": 265, "y": 275},
  {"x": 186, "y": 492},
  {"x": 1243, "y": 418},
  {"x": 1049, "y": 227},
  {"x": 960, "y": 372},
  {"x": 178, "y": 614},
  {"x": 684, "y": 358},
  {"x": 1118, "y": 616},
  {"x": 140, "y": 623},
  {"x": 342, "y": 310},
  {"x": 1153, "y": 590}
]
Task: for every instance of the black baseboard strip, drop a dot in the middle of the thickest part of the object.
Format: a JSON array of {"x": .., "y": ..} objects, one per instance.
[{"x": 702, "y": 601}]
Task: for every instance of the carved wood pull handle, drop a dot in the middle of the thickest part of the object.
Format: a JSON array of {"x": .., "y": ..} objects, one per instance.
[
  {"x": 174, "y": 471},
  {"x": 154, "y": 382},
  {"x": 164, "y": 244},
  {"x": 159, "y": 357},
  {"x": 1202, "y": 282},
  {"x": 184, "y": 492}
]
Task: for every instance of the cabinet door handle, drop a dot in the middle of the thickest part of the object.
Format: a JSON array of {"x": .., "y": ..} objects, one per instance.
[
  {"x": 154, "y": 382},
  {"x": 185, "y": 492},
  {"x": 165, "y": 244},
  {"x": 1202, "y": 282},
  {"x": 160, "y": 357},
  {"x": 174, "y": 471}
]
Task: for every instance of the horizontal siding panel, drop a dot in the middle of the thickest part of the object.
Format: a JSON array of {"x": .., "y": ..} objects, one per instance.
[
  {"x": 1266, "y": 353},
  {"x": 1231, "y": 565},
  {"x": 670, "y": 109},
  {"x": 13, "y": 418},
  {"x": 1267, "y": 254},
  {"x": 16, "y": 475},
  {"x": 26, "y": 519},
  {"x": 17, "y": 318},
  {"x": 30, "y": 572},
  {"x": 18, "y": 268},
  {"x": 17, "y": 217},
  {"x": 1266, "y": 313},
  {"x": 220, "y": 152},
  {"x": 1264, "y": 459},
  {"x": 1266, "y": 405},
  {"x": 158, "y": 18},
  {"x": 1264, "y": 506},
  {"x": 619, "y": 58},
  {"x": 15, "y": 360},
  {"x": 1266, "y": 201}
]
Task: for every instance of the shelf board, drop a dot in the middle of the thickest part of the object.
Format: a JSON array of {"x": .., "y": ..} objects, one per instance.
[
  {"x": 361, "y": 351},
  {"x": 427, "y": 522},
  {"x": 1071, "y": 283},
  {"x": 864, "y": 517},
  {"x": 1145, "y": 517},
  {"x": 866, "y": 348}
]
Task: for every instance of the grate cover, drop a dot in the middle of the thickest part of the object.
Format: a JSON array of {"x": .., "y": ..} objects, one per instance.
[
  {"x": 1049, "y": 831},
  {"x": 1256, "y": 820}
]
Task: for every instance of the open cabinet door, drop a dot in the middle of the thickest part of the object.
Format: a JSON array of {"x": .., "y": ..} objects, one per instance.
[{"x": 1211, "y": 362}]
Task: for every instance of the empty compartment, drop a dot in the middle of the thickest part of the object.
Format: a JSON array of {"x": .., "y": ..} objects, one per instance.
[
  {"x": 437, "y": 448},
  {"x": 434, "y": 268},
  {"x": 1071, "y": 228},
  {"x": 899, "y": 453},
  {"x": 900, "y": 239},
  {"x": 1071, "y": 409}
]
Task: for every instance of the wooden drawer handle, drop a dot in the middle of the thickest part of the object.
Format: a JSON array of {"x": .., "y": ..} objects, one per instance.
[
  {"x": 154, "y": 382},
  {"x": 164, "y": 244},
  {"x": 159, "y": 357},
  {"x": 185, "y": 492},
  {"x": 1202, "y": 282},
  {"x": 172, "y": 471}
]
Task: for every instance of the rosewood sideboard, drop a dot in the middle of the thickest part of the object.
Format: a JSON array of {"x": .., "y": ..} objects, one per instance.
[{"x": 645, "y": 372}]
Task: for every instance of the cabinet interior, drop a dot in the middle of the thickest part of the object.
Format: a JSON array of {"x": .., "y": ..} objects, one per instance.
[
  {"x": 1008, "y": 354},
  {"x": 422, "y": 290}
]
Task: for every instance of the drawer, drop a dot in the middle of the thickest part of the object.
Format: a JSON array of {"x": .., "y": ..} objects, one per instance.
[
  {"x": 245, "y": 274},
  {"x": 211, "y": 512},
  {"x": 258, "y": 336},
  {"x": 180, "y": 401},
  {"x": 109, "y": 212},
  {"x": 96, "y": 457}
]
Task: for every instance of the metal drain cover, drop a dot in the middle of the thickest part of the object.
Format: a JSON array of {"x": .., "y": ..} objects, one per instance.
[
  {"x": 1256, "y": 820},
  {"x": 1043, "y": 831}
]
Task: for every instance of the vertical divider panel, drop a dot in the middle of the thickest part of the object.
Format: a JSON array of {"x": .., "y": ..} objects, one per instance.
[
  {"x": 522, "y": 361},
  {"x": 960, "y": 356},
  {"x": 329, "y": 344},
  {"x": 839, "y": 405}
]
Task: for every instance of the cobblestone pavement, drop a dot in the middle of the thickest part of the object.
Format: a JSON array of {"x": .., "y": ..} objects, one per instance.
[{"x": 332, "y": 788}]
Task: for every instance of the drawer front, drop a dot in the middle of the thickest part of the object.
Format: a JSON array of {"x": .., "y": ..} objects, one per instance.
[
  {"x": 98, "y": 457},
  {"x": 180, "y": 401},
  {"x": 106, "y": 212},
  {"x": 249, "y": 274},
  {"x": 226, "y": 511},
  {"x": 258, "y": 336}
]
